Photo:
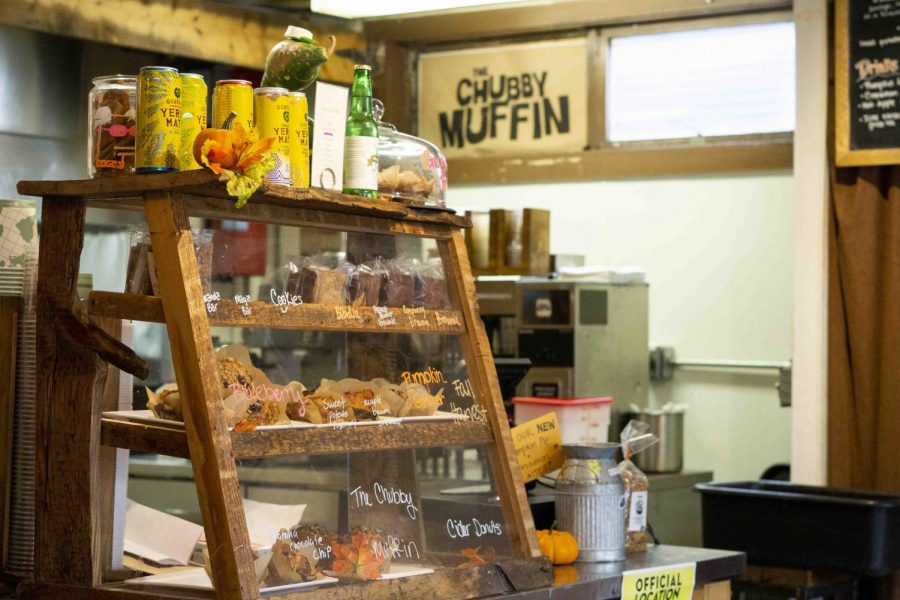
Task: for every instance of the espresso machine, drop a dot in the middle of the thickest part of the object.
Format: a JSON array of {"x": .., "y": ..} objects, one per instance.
[{"x": 584, "y": 339}]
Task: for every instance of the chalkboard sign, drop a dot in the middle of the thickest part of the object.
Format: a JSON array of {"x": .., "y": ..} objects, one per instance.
[{"x": 867, "y": 82}]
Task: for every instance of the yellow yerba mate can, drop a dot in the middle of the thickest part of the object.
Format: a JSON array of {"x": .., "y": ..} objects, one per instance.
[
  {"x": 193, "y": 116},
  {"x": 233, "y": 95},
  {"x": 272, "y": 109},
  {"x": 158, "y": 135},
  {"x": 299, "y": 144}
]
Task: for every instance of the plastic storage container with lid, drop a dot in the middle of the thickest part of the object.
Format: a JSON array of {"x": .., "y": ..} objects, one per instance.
[
  {"x": 409, "y": 168},
  {"x": 581, "y": 420}
]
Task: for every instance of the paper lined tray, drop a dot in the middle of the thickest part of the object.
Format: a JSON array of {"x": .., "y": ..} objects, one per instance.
[
  {"x": 147, "y": 417},
  {"x": 198, "y": 579}
]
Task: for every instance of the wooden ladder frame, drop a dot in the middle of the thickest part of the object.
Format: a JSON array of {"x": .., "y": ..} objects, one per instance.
[{"x": 74, "y": 476}]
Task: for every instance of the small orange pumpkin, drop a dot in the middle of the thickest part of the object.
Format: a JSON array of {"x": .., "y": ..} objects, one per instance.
[
  {"x": 559, "y": 546},
  {"x": 222, "y": 150}
]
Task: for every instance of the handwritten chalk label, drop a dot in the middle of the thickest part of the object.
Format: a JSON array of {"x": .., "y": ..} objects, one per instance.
[
  {"x": 346, "y": 313},
  {"x": 284, "y": 300},
  {"x": 396, "y": 547},
  {"x": 384, "y": 495},
  {"x": 429, "y": 376},
  {"x": 212, "y": 301},
  {"x": 416, "y": 316},
  {"x": 446, "y": 321},
  {"x": 386, "y": 318},
  {"x": 538, "y": 445},
  {"x": 244, "y": 302},
  {"x": 675, "y": 582},
  {"x": 476, "y": 412},
  {"x": 458, "y": 528}
]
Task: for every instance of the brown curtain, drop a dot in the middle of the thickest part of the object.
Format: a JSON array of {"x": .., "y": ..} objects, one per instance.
[{"x": 864, "y": 329}]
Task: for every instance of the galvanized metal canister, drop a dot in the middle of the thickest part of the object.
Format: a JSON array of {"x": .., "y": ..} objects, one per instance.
[{"x": 590, "y": 502}]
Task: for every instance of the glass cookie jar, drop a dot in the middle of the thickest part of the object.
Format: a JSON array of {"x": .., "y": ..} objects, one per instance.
[
  {"x": 410, "y": 169},
  {"x": 112, "y": 104}
]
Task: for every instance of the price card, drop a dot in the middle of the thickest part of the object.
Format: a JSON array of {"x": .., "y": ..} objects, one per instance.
[
  {"x": 674, "y": 582},
  {"x": 538, "y": 445},
  {"x": 328, "y": 137}
]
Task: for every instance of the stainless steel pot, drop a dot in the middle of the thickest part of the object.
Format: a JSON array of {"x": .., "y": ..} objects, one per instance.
[{"x": 668, "y": 455}]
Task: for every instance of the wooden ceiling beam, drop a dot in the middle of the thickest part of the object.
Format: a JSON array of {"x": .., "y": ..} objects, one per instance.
[{"x": 202, "y": 29}]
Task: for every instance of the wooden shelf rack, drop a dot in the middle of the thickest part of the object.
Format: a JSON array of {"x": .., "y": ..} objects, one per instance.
[{"x": 76, "y": 456}]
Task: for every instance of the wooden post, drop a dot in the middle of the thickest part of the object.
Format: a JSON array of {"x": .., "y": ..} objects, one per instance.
[
  {"x": 196, "y": 370},
  {"x": 477, "y": 352},
  {"x": 67, "y": 429}
]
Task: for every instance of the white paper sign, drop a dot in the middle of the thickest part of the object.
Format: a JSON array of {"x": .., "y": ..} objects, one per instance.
[
  {"x": 328, "y": 137},
  {"x": 159, "y": 537}
]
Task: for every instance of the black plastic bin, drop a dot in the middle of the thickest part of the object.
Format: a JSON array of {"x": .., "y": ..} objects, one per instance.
[{"x": 803, "y": 527}]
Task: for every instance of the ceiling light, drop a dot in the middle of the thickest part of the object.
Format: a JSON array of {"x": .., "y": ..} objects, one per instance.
[{"x": 356, "y": 9}]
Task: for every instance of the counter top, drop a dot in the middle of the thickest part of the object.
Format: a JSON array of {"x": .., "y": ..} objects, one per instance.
[{"x": 603, "y": 581}]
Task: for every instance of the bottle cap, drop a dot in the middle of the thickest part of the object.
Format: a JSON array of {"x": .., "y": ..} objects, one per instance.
[
  {"x": 297, "y": 32},
  {"x": 362, "y": 67}
]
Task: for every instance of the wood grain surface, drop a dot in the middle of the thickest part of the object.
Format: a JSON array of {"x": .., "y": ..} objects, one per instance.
[
  {"x": 67, "y": 449},
  {"x": 205, "y": 184},
  {"x": 143, "y": 437},
  {"x": 304, "y": 316},
  {"x": 483, "y": 373},
  {"x": 196, "y": 370}
]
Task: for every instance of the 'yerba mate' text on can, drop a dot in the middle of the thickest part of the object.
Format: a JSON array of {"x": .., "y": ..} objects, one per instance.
[
  {"x": 233, "y": 95},
  {"x": 272, "y": 109},
  {"x": 158, "y": 140}
]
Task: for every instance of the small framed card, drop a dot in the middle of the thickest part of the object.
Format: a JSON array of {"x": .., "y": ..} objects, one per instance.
[{"x": 328, "y": 137}]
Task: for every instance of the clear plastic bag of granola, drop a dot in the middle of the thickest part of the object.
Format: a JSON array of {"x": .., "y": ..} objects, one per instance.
[{"x": 634, "y": 438}]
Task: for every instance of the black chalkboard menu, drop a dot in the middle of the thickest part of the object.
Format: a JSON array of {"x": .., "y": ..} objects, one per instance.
[{"x": 867, "y": 82}]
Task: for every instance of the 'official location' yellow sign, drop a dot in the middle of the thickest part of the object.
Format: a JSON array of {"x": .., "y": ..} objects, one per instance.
[{"x": 675, "y": 582}]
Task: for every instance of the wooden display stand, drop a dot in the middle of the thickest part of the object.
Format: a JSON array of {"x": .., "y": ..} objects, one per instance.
[{"x": 74, "y": 474}]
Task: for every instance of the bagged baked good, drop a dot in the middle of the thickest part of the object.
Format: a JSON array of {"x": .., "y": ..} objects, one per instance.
[
  {"x": 289, "y": 275},
  {"x": 332, "y": 406},
  {"x": 363, "y": 397},
  {"x": 431, "y": 287},
  {"x": 401, "y": 283},
  {"x": 251, "y": 399},
  {"x": 165, "y": 402},
  {"x": 634, "y": 438},
  {"x": 371, "y": 283},
  {"x": 410, "y": 399},
  {"x": 321, "y": 284},
  {"x": 301, "y": 408},
  {"x": 299, "y": 554}
]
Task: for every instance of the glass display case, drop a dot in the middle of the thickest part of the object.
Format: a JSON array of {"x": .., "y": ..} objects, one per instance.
[
  {"x": 317, "y": 409},
  {"x": 410, "y": 169}
]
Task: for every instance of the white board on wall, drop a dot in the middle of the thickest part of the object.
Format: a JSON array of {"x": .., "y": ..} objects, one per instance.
[{"x": 504, "y": 100}]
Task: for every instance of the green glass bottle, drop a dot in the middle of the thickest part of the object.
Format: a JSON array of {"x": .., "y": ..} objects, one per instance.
[{"x": 361, "y": 142}]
